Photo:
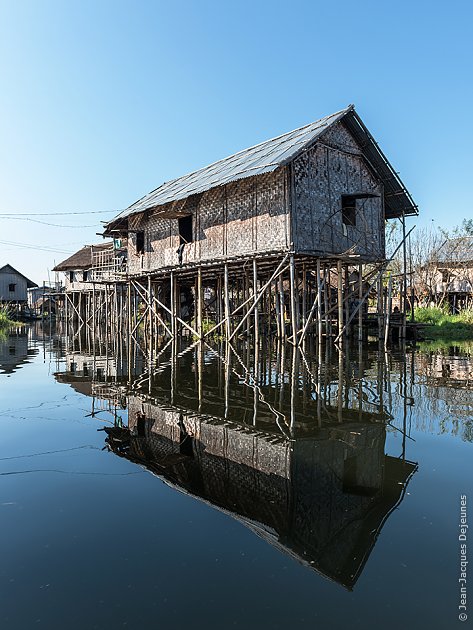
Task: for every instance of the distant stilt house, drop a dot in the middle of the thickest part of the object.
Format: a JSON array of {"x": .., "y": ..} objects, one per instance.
[
  {"x": 454, "y": 273},
  {"x": 14, "y": 289},
  {"x": 14, "y": 350},
  {"x": 45, "y": 299},
  {"x": 87, "y": 275},
  {"x": 249, "y": 242}
]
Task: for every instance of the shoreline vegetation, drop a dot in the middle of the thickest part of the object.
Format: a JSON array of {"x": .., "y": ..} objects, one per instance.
[
  {"x": 442, "y": 325},
  {"x": 5, "y": 321}
]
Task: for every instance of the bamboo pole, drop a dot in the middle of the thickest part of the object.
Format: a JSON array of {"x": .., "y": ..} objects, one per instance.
[
  {"x": 93, "y": 312},
  {"x": 150, "y": 320},
  {"x": 292, "y": 285},
  {"x": 327, "y": 301},
  {"x": 340, "y": 298},
  {"x": 347, "y": 299},
  {"x": 278, "y": 271},
  {"x": 404, "y": 279},
  {"x": 255, "y": 301},
  {"x": 319, "y": 303},
  {"x": 388, "y": 311},
  {"x": 277, "y": 311},
  {"x": 281, "y": 302},
  {"x": 172, "y": 311},
  {"x": 304, "y": 293},
  {"x": 226, "y": 303},
  {"x": 360, "y": 298},
  {"x": 310, "y": 316},
  {"x": 199, "y": 297}
]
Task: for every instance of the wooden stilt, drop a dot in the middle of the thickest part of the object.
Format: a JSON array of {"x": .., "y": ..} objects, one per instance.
[
  {"x": 277, "y": 310},
  {"x": 173, "y": 305},
  {"x": 199, "y": 300},
  {"x": 150, "y": 320},
  {"x": 327, "y": 301},
  {"x": 292, "y": 285},
  {"x": 255, "y": 302},
  {"x": 226, "y": 303},
  {"x": 340, "y": 386},
  {"x": 281, "y": 308},
  {"x": 347, "y": 299},
  {"x": 388, "y": 311},
  {"x": 340, "y": 297},
  {"x": 319, "y": 303},
  {"x": 380, "y": 301},
  {"x": 304, "y": 293},
  {"x": 360, "y": 298}
]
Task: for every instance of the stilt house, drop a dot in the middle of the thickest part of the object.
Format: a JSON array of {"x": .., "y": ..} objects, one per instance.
[
  {"x": 88, "y": 276},
  {"x": 14, "y": 286},
  {"x": 324, "y": 189},
  {"x": 454, "y": 273},
  {"x": 320, "y": 193}
]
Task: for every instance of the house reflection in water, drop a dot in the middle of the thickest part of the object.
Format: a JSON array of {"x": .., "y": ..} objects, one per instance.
[
  {"x": 15, "y": 350},
  {"x": 322, "y": 498},
  {"x": 301, "y": 463}
]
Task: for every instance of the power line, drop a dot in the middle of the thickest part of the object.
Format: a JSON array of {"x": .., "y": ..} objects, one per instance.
[
  {"x": 55, "y": 214},
  {"x": 51, "y": 250},
  {"x": 46, "y": 223}
]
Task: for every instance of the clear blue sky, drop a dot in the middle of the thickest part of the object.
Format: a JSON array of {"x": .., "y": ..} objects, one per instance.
[{"x": 103, "y": 101}]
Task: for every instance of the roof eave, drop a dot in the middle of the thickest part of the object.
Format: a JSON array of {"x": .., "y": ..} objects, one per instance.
[{"x": 394, "y": 187}]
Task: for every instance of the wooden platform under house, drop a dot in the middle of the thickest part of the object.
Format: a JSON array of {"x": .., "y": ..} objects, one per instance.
[{"x": 284, "y": 238}]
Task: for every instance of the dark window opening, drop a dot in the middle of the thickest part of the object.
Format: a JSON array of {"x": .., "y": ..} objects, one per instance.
[
  {"x": 140, "y": 242},
  {"x": 185, "y": 230},
  {"x": 444, "y": 276},
  {"x": 141, "y": 424},
  {"x": 351, "y": 479},
  {"x": 85, "y": 276},
  {"x": 71, "y": 276},
  {"x": 11, "y": 288},
  {"x": 348, "y": 210},
  {"x": 186, "y": 441}
]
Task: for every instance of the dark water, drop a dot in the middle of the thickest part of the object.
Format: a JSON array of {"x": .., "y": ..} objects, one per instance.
[{"x": 286, "y": 490}]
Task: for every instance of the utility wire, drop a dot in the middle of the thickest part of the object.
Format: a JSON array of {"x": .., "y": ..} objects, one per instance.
[
  {"x": 55, "y": 214},
  {"x": 45, "y": 223},
  {"x": 51, "y": 250}
]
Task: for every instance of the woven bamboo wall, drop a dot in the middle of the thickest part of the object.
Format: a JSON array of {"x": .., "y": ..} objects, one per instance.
[
  {"x": 296, "y": 207},
  {"x": 245, "y": 217},
  {"x": 321, "y": 176},
  {"x": 216, "y": 439}
]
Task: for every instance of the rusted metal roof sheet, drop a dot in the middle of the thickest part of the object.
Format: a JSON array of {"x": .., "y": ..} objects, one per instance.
[{"x": 270, "y": 155}]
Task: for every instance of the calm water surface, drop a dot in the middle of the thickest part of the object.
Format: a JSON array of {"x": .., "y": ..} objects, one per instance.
[{"x": 212, "y": 488}]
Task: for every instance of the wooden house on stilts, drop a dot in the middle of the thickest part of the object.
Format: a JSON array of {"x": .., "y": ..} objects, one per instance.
[{"x": 268, "y": 239}]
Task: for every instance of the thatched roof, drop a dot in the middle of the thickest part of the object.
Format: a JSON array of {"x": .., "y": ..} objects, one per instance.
[{"x": 83, "y": 258}]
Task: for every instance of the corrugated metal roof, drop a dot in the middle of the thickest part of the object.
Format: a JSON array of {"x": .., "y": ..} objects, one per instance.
[
  {"x": 262, "y": 158},
  {"x": 9, "y": 269},
  {"x": 270, "y": 155}
]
